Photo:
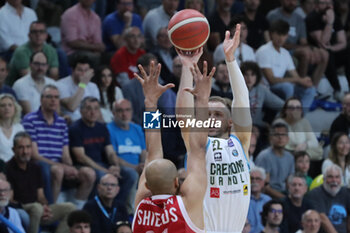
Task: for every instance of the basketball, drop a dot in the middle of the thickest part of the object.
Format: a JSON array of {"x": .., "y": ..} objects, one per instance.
[{"x": 188, "y": 30}]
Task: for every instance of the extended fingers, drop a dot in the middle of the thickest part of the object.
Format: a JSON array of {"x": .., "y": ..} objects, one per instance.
[
  {"x": 212, "y": 72},
  {"x": 139, "y": 78},
  {"x": 143, "y": 72}
]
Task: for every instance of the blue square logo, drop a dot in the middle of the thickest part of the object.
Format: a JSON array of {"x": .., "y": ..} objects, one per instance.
[{"x": 151, "y": 120}]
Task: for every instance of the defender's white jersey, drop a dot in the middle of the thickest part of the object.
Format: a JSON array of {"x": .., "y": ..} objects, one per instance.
[{"x": 227, "y": 197}]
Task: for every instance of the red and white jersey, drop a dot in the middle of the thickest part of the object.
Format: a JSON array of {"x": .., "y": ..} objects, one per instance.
[
  {"x": 163, "y": 214},
  {"x": 227, "y": 197}
]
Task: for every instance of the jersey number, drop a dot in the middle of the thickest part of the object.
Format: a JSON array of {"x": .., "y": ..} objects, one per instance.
[{"x": 216, "y": 145}]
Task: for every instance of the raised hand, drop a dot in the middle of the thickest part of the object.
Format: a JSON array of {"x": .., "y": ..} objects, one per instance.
[
  {"x": 202, "y": 86},
  {"x": 151, "y": 87},
  {"x": 190, "y": 57},
  {"x": 230, "y": 45}
]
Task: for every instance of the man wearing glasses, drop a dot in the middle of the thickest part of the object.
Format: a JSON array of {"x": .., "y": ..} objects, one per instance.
[
  {"x": 277, "y": 162},
  {"x": 20, "y": 61},
  {"x": 103, "y": 208},
  {"x": 29, "y": 87},
  {"x": 272, "y": 216}
]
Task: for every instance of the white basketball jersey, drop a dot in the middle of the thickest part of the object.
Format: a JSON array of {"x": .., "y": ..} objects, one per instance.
[{"x": 227, "y": 197}]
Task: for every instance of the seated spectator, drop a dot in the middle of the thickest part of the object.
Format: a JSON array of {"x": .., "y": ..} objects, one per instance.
[
  {"x": 124, "y": 60},
  {"x": 278, "y": 67},
  {"x": 19, "y": 65},
  {"x": 81, "y": 32},
  {"x": 277, "y": 161},
  {"x": 272, "y": 216},
  {"x": 246, "y": 228},
  {"x": 257, "y": 198},
  {"x": 257, "y": 24},
  {"x": 10, "y": 117},
  {"x": 90, "y": 145},
  {"x": 109, "y": 91},
  {"x": 9, "y": 219},
  {"x": 311, "y": 222},
  {"x": 331, "y": 200},
  {"x": 49, "y": 134},
  {"x": 221, "y": 82},
  {"x": 3, "y": 76},
  {"x": 79, "y": 221},
  {"x": 342, "y": 122},
  {"x": 28, "y": 88},
  {"x": 259, "y": 95},
  {"x": 197, "y": 5},
  {"x": 296, "y": 42},
  {"x": 243, "y": 52},
  {"x": 219, "y": 22},
  {"x": 301, "y": 135},
  {"x": 14, "y": 26},
  {"x": 294, "y": 205},
  {"x": 157, "y": 18},
  {"x": 25, "y": 178},
  {"x": 117, "y": 22},
  {"x": 74, "y": 88},
  {"x": 105, "y": 211},
  {"x": 302, "y": 165},
  {"x": 305, "y": 8},
  {"x": 123, "y": 227},
  {"x": 165, "y": 53},
  {"x": 339, "y": 154},
  {"x": 326, "y": 31}
]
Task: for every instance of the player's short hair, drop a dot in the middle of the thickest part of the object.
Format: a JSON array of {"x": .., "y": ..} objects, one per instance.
[
  {"x": 225, "y": 101},
  {"x": 280, "y": 27},
  {"x": 78, "y": 216}
]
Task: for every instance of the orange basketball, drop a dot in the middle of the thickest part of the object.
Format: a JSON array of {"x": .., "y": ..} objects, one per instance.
[{"x": 188, "y": 30}]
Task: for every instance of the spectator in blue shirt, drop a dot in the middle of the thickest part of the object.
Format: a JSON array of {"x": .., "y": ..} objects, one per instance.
[{"x": 3, "y": 75}]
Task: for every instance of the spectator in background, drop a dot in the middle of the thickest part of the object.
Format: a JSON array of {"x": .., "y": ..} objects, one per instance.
[
  {"x": 197, "y": 5},
  {"x": 340, "y": 155},
  {"x": 221, "y": 82},
  {"x": 219, "y": 22},
  {"x": 13, "y": 223},
  {"x": 296, "y": 42},
  {"x": 14, "y": 26},
  {"x": 109, "y": 91},
  {"x": 117, "y": 22},
  {"x": 278, "y": 162},
  {"x": 257, "y": 24},
  {"x": 332, "y": 201},
  {"x": 74, "y": 88},
  {"x": 90, "y": 145},
  {"x": 243, "y": 52},
  {"x": 257, "y": 198},
  {"x": 123, "y": 62},
  {"x": 26, "y": 180},
  {"x": 4, "y": 89},
  {"x": 278, "y": 67},
  {"x": 305, "y": 8},
  {"x": 342, "y": 122},
  {"x": 19, "y": 65},
  {"x": 81, "y": 31},
  {"x": 272, "y": 216},
  {"x": 259, "y": 95},
  {"x": 10, "y": 117},
  {"x": 294, "y": 204},
  {"x": 123, "y": 227},
  {"x": 311, "y": 222},
  {"x": 49, "y": 134},
  {"x": 28, "y": 88},
  {"x": 157, "y": 18},
  {"x": 79, "y": 221},
  {"x": 104, "y": 209},
  {"x": 165, "y": 53},
  {"x": 326, "y": 31},
  {"x": 300, "y": 133},
  {"x": 302, "y": 165}
]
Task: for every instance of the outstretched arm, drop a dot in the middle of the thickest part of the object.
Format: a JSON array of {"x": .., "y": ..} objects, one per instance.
[
  {"x": 241, "y": 118},
  {"x": 194, "y": 186},
  {"x": 152, "y": 91},
  {"x": 184, "y": 99}
]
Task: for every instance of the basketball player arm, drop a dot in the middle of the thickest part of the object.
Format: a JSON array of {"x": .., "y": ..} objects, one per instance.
[
  {"x": 193, "y": 189},
  {"x": 152, "y": 91},
  {"x": 184, "y": 99},
  {"x": 241, "y": 118}
]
